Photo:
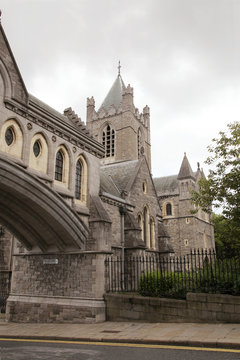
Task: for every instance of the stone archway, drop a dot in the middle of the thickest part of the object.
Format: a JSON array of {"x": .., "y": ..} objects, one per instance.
[{"x": 40, "y": 219}]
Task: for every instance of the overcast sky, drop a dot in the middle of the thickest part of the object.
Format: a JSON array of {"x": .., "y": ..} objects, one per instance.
[{"x": 182, "y": 58}]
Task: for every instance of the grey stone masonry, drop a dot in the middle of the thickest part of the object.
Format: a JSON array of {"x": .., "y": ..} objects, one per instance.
[
  {"x": 57, "y": 288},
  {"x": 208, "y": 308}
]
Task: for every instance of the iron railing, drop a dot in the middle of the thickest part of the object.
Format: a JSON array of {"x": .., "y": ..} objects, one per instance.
[
  {"x": 153, "y": 275},
  {"x": 5, "y": 283}
]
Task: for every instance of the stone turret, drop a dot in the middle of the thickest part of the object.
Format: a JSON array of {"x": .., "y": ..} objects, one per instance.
[
  {"x": 185, "y": 171},
  {"x": 127, "y": 99},
  {"x": 186, "y": 179}
]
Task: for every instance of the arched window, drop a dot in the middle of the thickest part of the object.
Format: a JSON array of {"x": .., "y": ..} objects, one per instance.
[
  {"x": 11, "y": 138},
  {"x": 108, "y": 141},
  {"x": 152, "y": 233},
  {"x": 168, "y": 209},
  {"x": 146, "y": 229},
  {"x": 59, "y": 166},
  {"x": 62, "y": 167},
  {"x": 78, "y": 180},
  {"x": 81, "y": 180},
  {"x": 140, "y": 223},
  {"x": 38, "y": 157}
]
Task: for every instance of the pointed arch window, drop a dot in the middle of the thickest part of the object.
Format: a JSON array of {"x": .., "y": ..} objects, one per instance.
[
  {"x": 140, "y": 223},
  {"x": 108, "y": 141},
  {"x": 59, "y": 166},
  {"x": 81, "y": 181},
  {"x": 145, "y": 224},
  {"x": 152, "y": 233},
  {"x": 78, "y": 180}
]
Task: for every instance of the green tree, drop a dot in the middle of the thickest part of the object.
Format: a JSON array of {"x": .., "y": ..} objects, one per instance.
[
  {"x": 221, "y": 189},
  {"x": 226, "y": 236}
]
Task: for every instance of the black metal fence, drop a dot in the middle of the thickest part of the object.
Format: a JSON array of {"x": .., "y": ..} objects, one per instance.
[
  {"x": 5, "y": 283},
  {"x": 153, "y": 275}
]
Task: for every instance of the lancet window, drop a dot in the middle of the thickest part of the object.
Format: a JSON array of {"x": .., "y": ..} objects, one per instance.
[
  {"x": 59, "y": 166},
  {"x": 78, "y": 181}
]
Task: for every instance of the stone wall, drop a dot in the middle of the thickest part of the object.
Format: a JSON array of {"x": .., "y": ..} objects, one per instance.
[
  {"x": 209, "y": 308},
  {"x": 57, "y": 288}
]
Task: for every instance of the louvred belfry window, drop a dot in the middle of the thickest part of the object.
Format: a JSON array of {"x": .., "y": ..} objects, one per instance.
[{"x": 108, "y": 141}]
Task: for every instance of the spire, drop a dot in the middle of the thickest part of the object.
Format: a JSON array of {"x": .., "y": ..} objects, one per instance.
[
  {"x": 185, "y": 171},
  {"x": 114, "y": 96}
]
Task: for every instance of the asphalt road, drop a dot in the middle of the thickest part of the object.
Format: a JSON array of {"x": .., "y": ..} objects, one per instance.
[{"x": 50, "y": 350}]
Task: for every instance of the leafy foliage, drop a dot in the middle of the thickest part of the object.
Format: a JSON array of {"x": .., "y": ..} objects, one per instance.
[
  {"x": 226, "y": 236},
  {"x": 221, "y": 276},
  {"x": 166, "y": 284},
  {"x": 222, "y": 187}
]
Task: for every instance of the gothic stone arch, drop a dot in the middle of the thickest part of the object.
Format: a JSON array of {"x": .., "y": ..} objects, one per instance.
[{"x": 36, "y": 214}]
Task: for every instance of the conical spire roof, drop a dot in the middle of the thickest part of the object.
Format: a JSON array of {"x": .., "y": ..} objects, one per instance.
[
  {"x": 185, "y": 171},
  {"x": 114, "y": 96}
]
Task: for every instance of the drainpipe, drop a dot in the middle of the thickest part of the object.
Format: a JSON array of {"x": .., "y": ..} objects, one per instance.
[{"x": 123, "y": 211}]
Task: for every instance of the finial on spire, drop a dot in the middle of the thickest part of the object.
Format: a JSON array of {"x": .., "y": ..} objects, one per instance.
[{"x": 119, "y": 68}]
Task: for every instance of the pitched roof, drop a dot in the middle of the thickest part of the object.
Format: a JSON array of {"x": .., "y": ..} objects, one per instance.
[
  {"x": 44, "y": 107},
  {"x": 114, "y": 178},
  {"x": 114, "y": 96},
  {"x": 185, "y": 171},
  {"x": 166, "y": 185}
]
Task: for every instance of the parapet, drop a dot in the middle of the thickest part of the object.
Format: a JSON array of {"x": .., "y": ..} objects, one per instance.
[{"x": 76, "y": 120}]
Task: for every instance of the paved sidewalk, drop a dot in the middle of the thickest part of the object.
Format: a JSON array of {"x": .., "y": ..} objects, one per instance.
[{"x": 207, "y": 335}]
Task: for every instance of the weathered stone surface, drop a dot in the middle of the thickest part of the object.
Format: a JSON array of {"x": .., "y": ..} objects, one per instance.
[{"x": 167, "y": 310}]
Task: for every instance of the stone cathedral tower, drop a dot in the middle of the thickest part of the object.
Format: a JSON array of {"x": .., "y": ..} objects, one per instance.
[{"x": 118, "y": 125}]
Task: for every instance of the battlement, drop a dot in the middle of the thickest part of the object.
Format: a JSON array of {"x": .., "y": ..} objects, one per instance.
[
  {"x": 93, "y": 115},
  {"x": 71, "y": 115}
]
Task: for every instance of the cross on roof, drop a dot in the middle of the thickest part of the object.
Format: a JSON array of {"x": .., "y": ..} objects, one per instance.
[{"x": 119, "y": 67}]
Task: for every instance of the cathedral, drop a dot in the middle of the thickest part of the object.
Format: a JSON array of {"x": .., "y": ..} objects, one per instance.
[{"x": 74, "y": 192}]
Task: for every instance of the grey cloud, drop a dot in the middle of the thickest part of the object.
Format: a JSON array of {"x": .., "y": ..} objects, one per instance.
[{"x": 180, "y": 56}]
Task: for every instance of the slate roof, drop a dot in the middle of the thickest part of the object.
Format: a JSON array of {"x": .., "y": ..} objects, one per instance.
[
  {"x": 114, "y": 96},
  {"x": 44, "y": 107},
  {"x": 166, "y": 185},
  {"x": 114, "y": 178},
  {"x": 185, "y": 171}
]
